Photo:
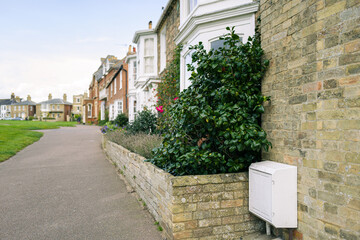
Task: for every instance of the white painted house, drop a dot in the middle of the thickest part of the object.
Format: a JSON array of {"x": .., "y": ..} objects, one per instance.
[
  {"x": 143, "y": 76},
  {"x": 206, "y": 20}
]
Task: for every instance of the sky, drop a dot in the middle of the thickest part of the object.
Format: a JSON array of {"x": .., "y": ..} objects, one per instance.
[{"x": 54, "y": 46}]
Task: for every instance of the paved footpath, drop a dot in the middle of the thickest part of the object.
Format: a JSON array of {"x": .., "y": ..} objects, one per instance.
[{"x": 62, "y": 187}]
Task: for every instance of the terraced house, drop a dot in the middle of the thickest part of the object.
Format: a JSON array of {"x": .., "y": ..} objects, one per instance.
[
  {"x": 23, "y": 109},
  {"x": 5, "y": 106},
  {"x": 56, "y": 109}
]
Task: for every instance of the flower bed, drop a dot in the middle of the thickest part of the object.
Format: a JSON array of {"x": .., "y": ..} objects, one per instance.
[{"x": 189, "y": 207}]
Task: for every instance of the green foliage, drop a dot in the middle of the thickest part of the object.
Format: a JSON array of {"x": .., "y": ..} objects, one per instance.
[
  {"x": 76, "y": 116},
  {"x": 106, "y": 115},
  {"x": 31, "y": 118},
  {"x": 102, "y": 122},
  {"x": 144, "y": 122},
  {"x": 169, "y": 88},
  {"x": 214, "y": 126},
  {"x": 121, "y": 120}
]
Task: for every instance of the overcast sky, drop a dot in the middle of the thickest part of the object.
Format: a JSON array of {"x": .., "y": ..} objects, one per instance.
[{"x": 54, "y": 46}]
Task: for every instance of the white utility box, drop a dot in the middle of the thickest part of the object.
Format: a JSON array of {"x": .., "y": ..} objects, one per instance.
[{"x": 273, "y": 193}]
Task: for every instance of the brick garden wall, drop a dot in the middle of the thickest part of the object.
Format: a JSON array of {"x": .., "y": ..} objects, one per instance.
[
  {"x": 189, "y": 207},
  {"x": 313, "y": 119}
]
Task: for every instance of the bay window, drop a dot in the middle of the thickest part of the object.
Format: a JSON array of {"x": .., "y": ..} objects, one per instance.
[{"x": 149, "y": 55}]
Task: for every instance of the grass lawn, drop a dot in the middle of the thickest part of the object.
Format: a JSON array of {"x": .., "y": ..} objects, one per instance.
[{"x": 16, "y": 135}]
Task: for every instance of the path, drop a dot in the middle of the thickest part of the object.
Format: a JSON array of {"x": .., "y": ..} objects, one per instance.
[{"x": 62, "y": 187}]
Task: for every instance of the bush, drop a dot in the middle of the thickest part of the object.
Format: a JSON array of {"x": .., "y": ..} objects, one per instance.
[
  {"x": 139, "y": 143},
  {"x": 144, "y": 122},
  {"x": 31, "y": 118},
  {"x": 121, "y": 120},
  {"x": 102, "y": 122},
  {"x": 214, "y": 126}
]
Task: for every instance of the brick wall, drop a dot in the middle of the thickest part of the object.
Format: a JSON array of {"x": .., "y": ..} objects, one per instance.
[
  {"x": 189, "y": 207},
  {"x": 171, "y": 21},
  {"x": 313, "y": 119}
]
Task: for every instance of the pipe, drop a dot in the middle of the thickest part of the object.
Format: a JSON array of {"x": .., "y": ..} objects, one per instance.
[{"x": 268, "y": 232}]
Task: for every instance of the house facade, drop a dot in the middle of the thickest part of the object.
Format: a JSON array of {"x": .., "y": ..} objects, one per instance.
[
  {"x": 56, "y": 109},
  {"x": 23, "y": 109},
  {"x": 78, "y": 102},
  {"x": 5, "y": 106}
]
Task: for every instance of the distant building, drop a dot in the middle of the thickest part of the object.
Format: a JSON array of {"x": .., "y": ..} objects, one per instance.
[
  {"x": 56, "y": 109},
  {"x": 5, "y": 106},
  {"x": 23, "y": 109},
  {"x": 78, "y": 101}
]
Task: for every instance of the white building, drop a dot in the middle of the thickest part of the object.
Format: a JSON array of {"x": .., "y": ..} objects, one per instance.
[
  {"x": 206, "y": 20},
  {"x": 5, "y": 108},
  {"x": 143, "y": 77}
]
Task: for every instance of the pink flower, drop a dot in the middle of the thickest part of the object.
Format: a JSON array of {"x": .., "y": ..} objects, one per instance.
[
  {"x": 176, "y": 98},
  {"x": 160, "y": 109}
]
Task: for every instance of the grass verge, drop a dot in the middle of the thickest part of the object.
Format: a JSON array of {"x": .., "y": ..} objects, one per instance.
[{"x": 16, "y": 135}]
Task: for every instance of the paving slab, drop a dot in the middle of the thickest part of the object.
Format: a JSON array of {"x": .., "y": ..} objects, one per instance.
[{"x": 62, "y": 187}]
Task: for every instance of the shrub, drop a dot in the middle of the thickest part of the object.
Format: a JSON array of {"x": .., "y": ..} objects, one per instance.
[
  {"x": 31, "y": 118},
  {"x": 102, "y": 122},
  {"x": 169, "y": 88},
  {"x": 121, "y": 120},
  {"x": 214, "y": 126},
  {"x": 144, "y": 122},
  {"x": 139, "y": 143}
]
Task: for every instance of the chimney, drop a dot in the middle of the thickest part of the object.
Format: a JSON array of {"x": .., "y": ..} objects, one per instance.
[
  {"x": 12, "y": 95},
  {"x": 134, "y": 49},
  {"x": 17, "y": 99},
  {"x": 129, "y": 49},
  {"x": 85, "y": 95},
  {"x": 150, "y": 25},
  {"x": 64, "y": 97},
  {"x": 50, "y": 96},
  {"x": 28, "y": 98}
]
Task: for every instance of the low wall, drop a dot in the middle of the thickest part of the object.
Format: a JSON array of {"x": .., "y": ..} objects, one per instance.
[{"x": 189, "y": 207}]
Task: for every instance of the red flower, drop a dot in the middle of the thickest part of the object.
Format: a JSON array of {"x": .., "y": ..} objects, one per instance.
[
  {"x": 176, "y": 98},
  {"x": 160, "y": 109}
]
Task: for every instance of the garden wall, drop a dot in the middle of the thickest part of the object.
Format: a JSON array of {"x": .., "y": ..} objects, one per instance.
[{"x": 189, "y": 207}]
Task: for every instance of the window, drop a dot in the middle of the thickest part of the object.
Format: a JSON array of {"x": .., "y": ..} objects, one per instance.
[
  {"x": 53, "y": 115},
  {"x": 134, "y": 106},
  {"x": 58, "y": 107},
  {"x": 115, "y": 86},
  {"x": 112, "y": 112},
  {"x": 111, "y": 90},
  {"x": 191, "y": 5},
  {"x": 78, "y": 108},
  {"x": 58, "y": 115},
  {"x": 163, "y": 49},
  {"x": 188, "y": 60},
  {"x": 31, "y": 108},
  {"x": 120, "y": 85},
  {"x": 149, "y": 55},
  {"x": 134, "y": 70},
  {"x": 77, "y": 100},
  {"x": 120, "y": 107},
  {"x": 89, "y": 110},
  {"x": 23, "y": 107},
  {"x": 217, "y": 44}
]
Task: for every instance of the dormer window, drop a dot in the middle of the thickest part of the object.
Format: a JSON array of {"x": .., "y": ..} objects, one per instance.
[{"x": 149, "y": 55}]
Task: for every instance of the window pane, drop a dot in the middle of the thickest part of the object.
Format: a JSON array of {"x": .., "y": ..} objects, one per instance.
[
  {"x": 149, "y": 47},
  {"x": 217, "y": 44}
]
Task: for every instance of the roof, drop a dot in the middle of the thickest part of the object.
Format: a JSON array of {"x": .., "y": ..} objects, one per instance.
[
  {"x": 115, "y": 75},
  {"x": 56, "y": 101},
  {"x": 25, "y": 103},
  {"x": 6, "y": 101},
  {"x": 142, "y": 33},
  {"x": 164, "y": 14}
]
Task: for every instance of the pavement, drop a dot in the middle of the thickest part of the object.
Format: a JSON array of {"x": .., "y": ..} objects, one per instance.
[{"x": 62, "y": 187}]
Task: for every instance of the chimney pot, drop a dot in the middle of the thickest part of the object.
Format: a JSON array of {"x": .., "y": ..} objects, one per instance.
[
  {"x": 17, "y": 99},
  {"x": 50, "y": 96},
  {"x": 64, "y": 97},
  {"x": 150, "y": 25},
  {"x": 12, "y": 95},
  {"x": 129, "y": 49},
  {"x": 28, "y": 98},
  {"x": 134, "y": 49}
]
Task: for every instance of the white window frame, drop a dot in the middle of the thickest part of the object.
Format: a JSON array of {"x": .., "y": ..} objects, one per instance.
[
  {"x": 120, "y": 107},
  {"x": 112, "y": 111},
  {"x": 120, "y": 80},
  {"x": 89, "y": 110},
  {"x": 149, "y": 68},
  {"x": 115, "y": 86},
  {"x": 163, "y": 49},
  {"x": 134, "y": 70}
]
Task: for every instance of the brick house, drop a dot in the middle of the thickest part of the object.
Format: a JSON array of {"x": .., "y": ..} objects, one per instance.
[
  {"x": 96, "y": 104},
  {"x": 117, "y": 89},
  {"x": 56, "y": 109},
  {"x": 78, "y": 101},
  {"x": 23, "y": 109}
]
